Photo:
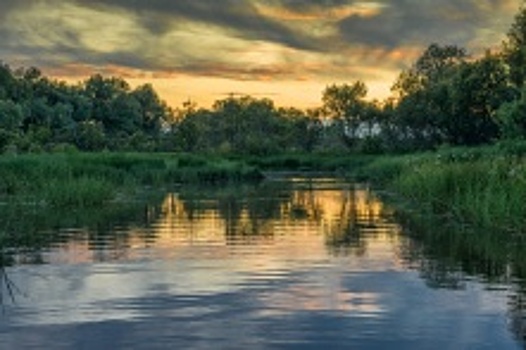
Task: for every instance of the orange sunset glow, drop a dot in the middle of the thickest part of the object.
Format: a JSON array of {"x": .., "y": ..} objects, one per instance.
[{"x": 203, "y": 50}]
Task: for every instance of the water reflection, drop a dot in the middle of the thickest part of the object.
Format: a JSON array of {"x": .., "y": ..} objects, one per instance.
[
  {"x": 450, "y": 256},
  {"x": 334, "y": 212},
  {"x": 264, "y": 229},
  {"x": 315, "y": 261}
]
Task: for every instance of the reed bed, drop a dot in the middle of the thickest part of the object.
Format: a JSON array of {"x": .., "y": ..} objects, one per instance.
[
  {"x": 82, "y": 179},
  {"x": 485, "y": 187}
]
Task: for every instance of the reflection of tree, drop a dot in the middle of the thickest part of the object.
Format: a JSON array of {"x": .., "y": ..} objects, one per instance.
[
  {"x": 516, "y": 268},
  {"x": 346, "y": 237},
  {"x": 34, "y": 229},
  {"x": 446, "y": 249},
  {"x": 517, "y": 315},
  {"x": 8, "y": 289},
  {"x": 246, "y": 210},
  {"x": 305, "y": 205},
  {"x": 230, "y": 209},
  {"x": 341, "y": 212},
  {"x": 448, "y": 254},
  {"x": 360, "y": 217}
]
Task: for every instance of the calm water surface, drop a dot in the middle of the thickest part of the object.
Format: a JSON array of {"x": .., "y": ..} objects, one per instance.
[{"x": 307, "y": 264}]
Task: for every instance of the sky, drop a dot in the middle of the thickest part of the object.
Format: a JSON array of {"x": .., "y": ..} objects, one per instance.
[{"x": 204, "y": 50}]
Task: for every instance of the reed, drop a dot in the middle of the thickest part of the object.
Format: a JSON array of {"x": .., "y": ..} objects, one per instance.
[
  {"x": 484, "y": 187},
  {"x": 82, "y": 179},
  {"x": 81, "y": 192}
]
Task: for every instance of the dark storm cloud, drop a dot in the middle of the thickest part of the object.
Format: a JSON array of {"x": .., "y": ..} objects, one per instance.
[
  {"x": 6, "y": 6},
  {"x": 8, "y": 35},
  {"x": 353, "y": 36},
  {"x": 398, "y": 22},
  {"x": 417, "y": 22},
  {"x": 240, "y": 16}
]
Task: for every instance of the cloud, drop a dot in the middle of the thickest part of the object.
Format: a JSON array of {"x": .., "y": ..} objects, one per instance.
[
  {"x": 248, "y": 40},
  {"x": 6, "y": 6},
  {"x": 411, "y": 22},
  {"x": 241, "y": 18}
]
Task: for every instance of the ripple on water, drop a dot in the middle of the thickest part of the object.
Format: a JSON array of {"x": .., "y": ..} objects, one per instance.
[{"x": 286, "y": 264}]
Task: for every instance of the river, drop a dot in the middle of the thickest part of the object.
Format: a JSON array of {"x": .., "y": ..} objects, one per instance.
[{"x": 286, "y": 264}]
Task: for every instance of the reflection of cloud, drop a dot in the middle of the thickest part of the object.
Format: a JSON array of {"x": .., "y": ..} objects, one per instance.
[
  {"x": 194, "y": 253},
  {"x": 321, "y": 298},
  {"x": 185, "y": 277},
  {"x": 195, "y": 228}
]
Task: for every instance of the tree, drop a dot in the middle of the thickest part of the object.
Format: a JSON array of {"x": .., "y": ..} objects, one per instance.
[
  {"x": 248, "y": 125},
  {"x": 435, "y": 64},
  {"x": 422, "y": 95},
  {"x": 511, "y": 118},
  {"x": 90, "y": 136},
  {"x": 104, "y": 94},
  {"x": 301, "y": 130},
  {"x": 154, "y": 114},
  {"x": 11, "y": 116},
  {"x": 345, "y": 105},
  {"x": 514, "y": 50},
  {"x": 193, "y": 129},
  {"x": 7, "y": 81},
  {"x": 476, "y": 92}
]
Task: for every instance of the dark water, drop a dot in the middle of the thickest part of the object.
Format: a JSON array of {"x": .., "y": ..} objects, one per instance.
[{"x": 280, "y": 265}]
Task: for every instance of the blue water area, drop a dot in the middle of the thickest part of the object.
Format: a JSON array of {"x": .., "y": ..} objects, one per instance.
[{"x": 295, "y": 264}]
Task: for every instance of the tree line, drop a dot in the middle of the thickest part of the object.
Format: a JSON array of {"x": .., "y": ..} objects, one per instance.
[{"x": 446, "y": 97}]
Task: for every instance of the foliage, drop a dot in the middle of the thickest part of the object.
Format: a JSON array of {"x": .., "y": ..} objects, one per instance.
[
  {"x": 88, "y": 179},
  {"x": 483, "y": 187},
  {"x": 446, "y": 97},
  {"x": 37, "y": 113},
  {"x": 345, "y": 106},
  {"x": 245, "y": 125},
  {"x": 514, "y": 50}
]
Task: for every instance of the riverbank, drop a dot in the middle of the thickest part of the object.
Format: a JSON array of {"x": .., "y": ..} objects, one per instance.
[
  {"x": 463, "y": 202},
  {"x": 89, "y": 179},
  {"x": 481, "y": 187}
]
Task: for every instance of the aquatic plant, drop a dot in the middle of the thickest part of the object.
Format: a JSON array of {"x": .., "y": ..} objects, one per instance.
[
  {"x": 484, "y": 187},
  {"x": 83, "y": 179}
]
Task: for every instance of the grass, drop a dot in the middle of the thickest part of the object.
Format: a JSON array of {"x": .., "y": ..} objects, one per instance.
[
  {"x": 464, "y": 209},
  {"x": 317, "y": 162},
  {"x": 463, "y": 204},
  {"x": 82, "y": 179},
  {"x": 484, "y": 187},
  {"x": 83, "y": 192}
]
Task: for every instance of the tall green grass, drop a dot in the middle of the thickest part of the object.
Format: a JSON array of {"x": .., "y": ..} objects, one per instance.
[
  {"x": 485, "y": 187},
  {"x": 80, "y": 179},
  {"x": 315, "y": 162}
]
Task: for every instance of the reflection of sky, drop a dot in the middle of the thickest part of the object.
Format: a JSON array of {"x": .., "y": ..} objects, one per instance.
[
  {"x": 283, "y": 289},
  {"x": 166, "y": 303}
]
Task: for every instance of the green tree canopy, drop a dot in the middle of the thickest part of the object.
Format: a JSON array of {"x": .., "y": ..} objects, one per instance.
[
  {"x": 346, "y": 105},
  {"x": 514, "y": 50}
]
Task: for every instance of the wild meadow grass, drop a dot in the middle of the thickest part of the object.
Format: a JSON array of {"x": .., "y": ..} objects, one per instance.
[
  {"x": 465, "y": 209},
  {"x": 315, "y": 162},
  {"x": 81, "y": 179},
  {"x": 485, "y": 187},
  {"x": 460, "y": 200}
]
